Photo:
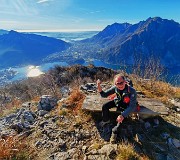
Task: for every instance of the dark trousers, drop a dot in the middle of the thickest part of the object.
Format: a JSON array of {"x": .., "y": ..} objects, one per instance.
[{"x": 106, "y": 107}]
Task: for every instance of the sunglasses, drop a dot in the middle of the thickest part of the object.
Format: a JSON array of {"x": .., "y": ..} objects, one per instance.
[{"x": 120, "y": 83}]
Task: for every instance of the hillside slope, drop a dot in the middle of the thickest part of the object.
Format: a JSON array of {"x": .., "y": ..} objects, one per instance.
[
  {"x": 52, "y": 125},
  {"x": 19, "y": 48},
  {"x": 128, "y": 43}
]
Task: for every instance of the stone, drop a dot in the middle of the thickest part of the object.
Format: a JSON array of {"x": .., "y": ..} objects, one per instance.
[
  {"x": 149, "y": 107},
  {"x": 176, "y": 142},
  {"x": 47, "y": 103},
  {"x": 27, "y": 105},
  {"x": 84, "y": 149},
  {"x": 177, "y": 109},
  {"x": 65, "y": 90},
  {"x": 42, "y": 112},
  {"x": 38, "y": 144},
  {"x": 17, "y": 127},
  {"x": 39, "y": 107},
  {"x": 26, "y": 125},
  {"x": 28, "y": 117},
  {"x": 108, "y": 149},
  {"x": 175, "y": 102},
  {"x": 65, "y": 155},
  {"x": 97, "y": 157}
]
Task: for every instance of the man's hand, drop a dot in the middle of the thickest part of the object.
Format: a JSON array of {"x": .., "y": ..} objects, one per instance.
[
  {"x": 98, "y": 82},
  {"x": 120, "y": 118}
]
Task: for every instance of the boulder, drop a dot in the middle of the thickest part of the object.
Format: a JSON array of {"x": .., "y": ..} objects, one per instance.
[
  {"x": 47, "y": 103},
  {"x": 149, "y": 107}
]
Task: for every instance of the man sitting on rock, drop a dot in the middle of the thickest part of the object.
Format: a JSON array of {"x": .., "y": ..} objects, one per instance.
[{"x": 124, "y": 100}]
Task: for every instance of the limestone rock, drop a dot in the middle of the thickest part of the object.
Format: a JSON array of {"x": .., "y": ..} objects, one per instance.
[{"x": 47, "y": 103}]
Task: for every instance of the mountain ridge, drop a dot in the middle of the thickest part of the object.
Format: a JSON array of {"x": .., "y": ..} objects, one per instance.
[
  {"x": 20, "y": 48},
  {"x": 116, "y": 43},
  {"x": 154, "y": 37}
]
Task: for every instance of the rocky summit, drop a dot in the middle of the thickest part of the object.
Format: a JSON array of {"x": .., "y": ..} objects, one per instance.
[
  {"x": 59, "y": 130},
  {"x": 57, "y": 116}
]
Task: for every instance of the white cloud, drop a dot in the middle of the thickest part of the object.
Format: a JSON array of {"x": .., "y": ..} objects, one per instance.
[
  {"x": 19, "y": 8},
  {"x": 88, "y": 11},
  {"x": 92, "y": 12},
  {"x": 43, "y": 1}
]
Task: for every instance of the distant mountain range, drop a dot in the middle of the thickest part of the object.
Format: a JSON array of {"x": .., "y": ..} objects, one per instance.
[
  {"x": 23, "y": 49},
  {"x": 125, "y": 43},
  {"x": 116, "y": 44}
]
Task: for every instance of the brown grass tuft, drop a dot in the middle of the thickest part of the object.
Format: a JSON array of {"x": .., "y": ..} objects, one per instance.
[
  {"x": 10, "y": 107},
  {"x": 10, "y": 148},
  {"x": 75, "y": 100},
  {"x": 126, "y": 152}
]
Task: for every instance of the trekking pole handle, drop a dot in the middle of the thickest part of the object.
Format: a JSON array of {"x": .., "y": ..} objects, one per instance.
[{"x": 114, "y": 130}]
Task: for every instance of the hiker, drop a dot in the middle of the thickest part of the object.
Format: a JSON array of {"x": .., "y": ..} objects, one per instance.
[{"x": 124, "y": 100}]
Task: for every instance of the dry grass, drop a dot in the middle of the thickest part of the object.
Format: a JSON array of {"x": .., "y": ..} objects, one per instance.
[
  {"x": 127, "y": 152},
  {"x": 176, "y": 92},
  {"x": 72, "y": 104},
  {"x": 75, "y": 100},
  {"x": 155, "y": 89},
  {"x": 63, "y": 112},
  {"x": 11, "y": 148},
  {"x": 10, "y": 107}
]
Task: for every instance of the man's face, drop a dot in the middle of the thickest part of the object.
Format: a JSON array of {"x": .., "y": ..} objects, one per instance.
[{"x": 120, "y": 83}]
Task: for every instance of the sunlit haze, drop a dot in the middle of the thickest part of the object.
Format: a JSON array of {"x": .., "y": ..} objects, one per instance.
[
  {"x": 34, "y": 71},
  {"x": 81, "y": 15}
]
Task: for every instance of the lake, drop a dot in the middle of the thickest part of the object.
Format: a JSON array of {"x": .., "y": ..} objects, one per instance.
[
  {"x": 23, "y": 72},
  {"x": 172, "y": 74}
]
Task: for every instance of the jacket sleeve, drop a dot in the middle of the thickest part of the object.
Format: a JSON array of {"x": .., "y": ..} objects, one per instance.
[
  {"x": 108, "y": 92},
  {"x": 132, "y": 105}
]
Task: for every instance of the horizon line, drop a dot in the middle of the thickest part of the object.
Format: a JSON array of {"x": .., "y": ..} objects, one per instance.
[{"x": 56, "y": 30}]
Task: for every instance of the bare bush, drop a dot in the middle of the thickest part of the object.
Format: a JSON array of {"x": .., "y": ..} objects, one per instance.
[{"x": 150, "y": 68}]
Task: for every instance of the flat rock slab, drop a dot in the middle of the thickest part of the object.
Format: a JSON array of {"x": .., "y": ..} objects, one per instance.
[{"x": 149, "y": 107}]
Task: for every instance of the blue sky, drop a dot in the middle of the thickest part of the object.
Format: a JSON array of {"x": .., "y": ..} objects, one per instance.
[{"x": 79, "y": 15}]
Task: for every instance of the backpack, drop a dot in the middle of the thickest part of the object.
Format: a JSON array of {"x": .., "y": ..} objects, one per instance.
[{"x": 129, "y": 81}]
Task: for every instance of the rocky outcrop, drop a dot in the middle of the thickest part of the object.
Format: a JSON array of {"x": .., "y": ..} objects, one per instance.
[
  {"x": 149, "y": 107},
  {"x": 70, "y": 136},
  {"x": 47, "y": 103}
]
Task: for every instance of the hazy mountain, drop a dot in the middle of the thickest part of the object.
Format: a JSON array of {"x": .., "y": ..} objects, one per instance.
[
  {"x": 110, "y": 32},
  {"x": 117, "y": 43},
  {"x": 126, "y": 42},
  {"x": 19, "y": 48},
  {"x": 3, "y": 31}
]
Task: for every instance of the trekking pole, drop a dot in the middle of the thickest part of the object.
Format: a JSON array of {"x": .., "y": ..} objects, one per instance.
[
  {"x": 114, "y": 133},
  {"x": 115, "y": 129}
]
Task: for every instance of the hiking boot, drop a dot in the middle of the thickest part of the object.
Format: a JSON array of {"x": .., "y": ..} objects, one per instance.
[
  {"x": 113, "y": 138},
  {"x": 102, "y": 123}
]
